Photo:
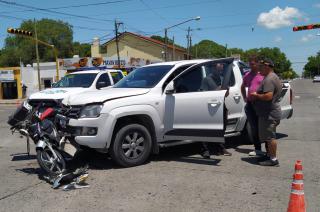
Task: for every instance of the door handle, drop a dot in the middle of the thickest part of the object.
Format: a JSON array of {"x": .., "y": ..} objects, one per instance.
[{"x": 214, "y": 103}]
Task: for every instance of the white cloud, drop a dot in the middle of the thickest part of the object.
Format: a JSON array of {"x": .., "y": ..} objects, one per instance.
[
  {"x": 278, "y": 39},
  {"x": 307, "y": 38},
  {"x": 277, "y": 17}
]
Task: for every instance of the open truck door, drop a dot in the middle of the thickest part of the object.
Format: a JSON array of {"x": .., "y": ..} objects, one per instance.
[
  {"x": 286, "y": 101},
  {"x": 195, "y": 103}
]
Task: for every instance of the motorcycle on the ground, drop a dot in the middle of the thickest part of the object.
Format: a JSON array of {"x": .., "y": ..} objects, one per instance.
[{"x": 52, "y": 146}]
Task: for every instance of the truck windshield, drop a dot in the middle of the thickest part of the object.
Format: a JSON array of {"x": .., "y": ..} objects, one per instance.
[
  {"x": 145, "y": 77},
  {"x": 76, "y": 80}
]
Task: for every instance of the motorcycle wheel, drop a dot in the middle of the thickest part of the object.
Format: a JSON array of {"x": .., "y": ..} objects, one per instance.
[{"x": 46, "y": 161}]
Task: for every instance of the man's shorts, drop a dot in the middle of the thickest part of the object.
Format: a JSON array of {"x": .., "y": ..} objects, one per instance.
[{"x": 267, "y": 129}]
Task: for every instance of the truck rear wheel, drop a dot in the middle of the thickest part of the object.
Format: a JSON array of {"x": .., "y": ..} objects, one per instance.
[{"x": 131, "y": 146}]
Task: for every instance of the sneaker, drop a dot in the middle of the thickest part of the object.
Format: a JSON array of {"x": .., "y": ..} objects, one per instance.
[
  {"x": 205, "y": 154},
  {"x": 263, "y": 158},
  {"x": 256, "y": 153},
  {"x": 269, "y": 163}
]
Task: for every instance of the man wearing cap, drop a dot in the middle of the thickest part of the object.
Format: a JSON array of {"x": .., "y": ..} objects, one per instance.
[{"x": 266, "y": 103}]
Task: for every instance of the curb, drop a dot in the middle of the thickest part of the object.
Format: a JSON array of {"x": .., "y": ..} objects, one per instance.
[{"x": 17, "y": 102}]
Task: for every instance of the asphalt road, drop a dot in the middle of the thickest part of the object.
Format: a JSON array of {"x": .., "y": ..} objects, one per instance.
[{"x": 178, "y": 179}]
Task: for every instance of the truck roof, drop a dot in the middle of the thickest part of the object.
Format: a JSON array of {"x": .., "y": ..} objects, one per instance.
[
  {"x": 180, "y": 62},
  {"x": 186, "y": 62},
  {"x": 95, "y": 71}
]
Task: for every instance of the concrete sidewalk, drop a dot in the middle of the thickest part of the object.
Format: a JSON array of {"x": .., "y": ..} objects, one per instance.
[{"x": 11, "y": 101}]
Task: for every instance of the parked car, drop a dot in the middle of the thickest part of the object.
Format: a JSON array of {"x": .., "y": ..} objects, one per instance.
[
  {"x": 75, "y": 83},
  {"x": 316, "y": 78},
  {"x": 162, "y": 105}
]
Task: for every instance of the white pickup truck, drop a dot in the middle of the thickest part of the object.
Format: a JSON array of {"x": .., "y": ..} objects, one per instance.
[
  {"x": 75, "y": 83},
  {"x": 161, "y": 105}
]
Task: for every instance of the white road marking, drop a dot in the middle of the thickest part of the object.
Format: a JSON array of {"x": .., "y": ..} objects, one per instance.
[
  {"x": 297, "y": 97},
  {"x": 318, "y": 97}
]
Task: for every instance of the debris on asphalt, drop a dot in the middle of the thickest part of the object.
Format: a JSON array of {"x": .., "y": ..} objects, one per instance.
[
  {"x": 78, "y": 183},
  {"x": 71, "y": 180}
]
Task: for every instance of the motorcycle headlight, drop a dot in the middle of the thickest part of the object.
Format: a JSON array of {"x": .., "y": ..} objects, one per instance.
[{"x": 91, "y": 111}]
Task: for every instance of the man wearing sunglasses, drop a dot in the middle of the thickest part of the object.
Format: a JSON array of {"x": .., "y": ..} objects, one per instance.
[{"x": 266, "y": 104}]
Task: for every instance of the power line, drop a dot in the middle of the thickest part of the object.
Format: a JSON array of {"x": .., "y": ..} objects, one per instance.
[
  {"x": 90, "y": 28},
  {"x": 154, "y": 12},
  {"x": 163, "y": 7},
  {"x": 227, "y": 26},
  {"x": 77, "y": 6},
  {"x": 51, "y": 11},
  {"x": 74, "y": 26}
]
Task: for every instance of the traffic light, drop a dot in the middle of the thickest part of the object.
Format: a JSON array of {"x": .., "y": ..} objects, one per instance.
[
  {"x": 306, "y": 27},
  {"x": 19, "y": 32}
]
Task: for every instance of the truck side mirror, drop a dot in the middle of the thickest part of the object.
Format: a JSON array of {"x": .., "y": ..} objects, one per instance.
[{"x": 170, "y": 88}]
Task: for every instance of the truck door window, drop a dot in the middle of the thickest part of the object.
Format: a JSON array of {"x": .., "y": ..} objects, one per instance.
[
  {"x": 223, "y": 70},
  {"x": 174, "y": 74},
  {"x": 190, "y": 81},
  {"x": 104, "y": 78},
  {"x": 208, "y": 77}
]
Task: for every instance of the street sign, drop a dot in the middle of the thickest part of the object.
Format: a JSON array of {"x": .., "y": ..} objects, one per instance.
[{"x": 6, "y": 75}]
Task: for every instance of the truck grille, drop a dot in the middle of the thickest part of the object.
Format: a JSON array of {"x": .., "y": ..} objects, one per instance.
[{"x": 74, "y": 112}]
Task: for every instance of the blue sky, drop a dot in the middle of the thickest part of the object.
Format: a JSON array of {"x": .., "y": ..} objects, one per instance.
[{"x": 223, "y": 21}]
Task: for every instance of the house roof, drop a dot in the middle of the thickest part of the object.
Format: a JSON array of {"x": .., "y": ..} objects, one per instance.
[{"x": 157, "y": 42}]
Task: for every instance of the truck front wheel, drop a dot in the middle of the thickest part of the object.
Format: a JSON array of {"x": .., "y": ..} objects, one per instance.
[{"x": 131, "y": 145}]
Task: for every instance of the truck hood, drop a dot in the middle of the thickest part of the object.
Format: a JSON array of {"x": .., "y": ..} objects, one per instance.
[
  {"x": 56, "y": 93},
  {"x": 103, "y": 95}
]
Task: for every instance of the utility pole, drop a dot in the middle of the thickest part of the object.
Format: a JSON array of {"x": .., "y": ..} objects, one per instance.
[
  {"x": 196, "y": 51},
  {"x": 55, "y": 52},
  {"x": 166, "y": 33},
  {"x": 116, "y": 26},
  {"x": 226, "y": 50},
  {"x": 37, "y": 53},
  {"x": 173, "y": 50},
  {"x": 188, "y": 43},
  {"x": 165, "y": 44}
]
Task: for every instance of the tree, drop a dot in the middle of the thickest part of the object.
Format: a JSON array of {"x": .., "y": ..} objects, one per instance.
[
  {"x": 312, "y": 68},
  {"x": 81, "y": 49},
  {"x": 54, "y": 32},
  {"x": 208, "y": 49},
  {"x": 9, "y": 57},
  {"x": 235, "y": 51}
]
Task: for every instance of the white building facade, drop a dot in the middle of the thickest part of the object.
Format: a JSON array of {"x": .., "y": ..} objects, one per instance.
[{"x": 29, "y": 76}]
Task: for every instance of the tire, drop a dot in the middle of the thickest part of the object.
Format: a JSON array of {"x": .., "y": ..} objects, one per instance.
[
  {"x": 131, "y": 146},
  {"x": 43, "y": 156}
]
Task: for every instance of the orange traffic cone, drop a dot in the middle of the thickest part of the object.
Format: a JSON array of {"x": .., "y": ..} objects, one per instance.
[{"x": 297, "y": 203}]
